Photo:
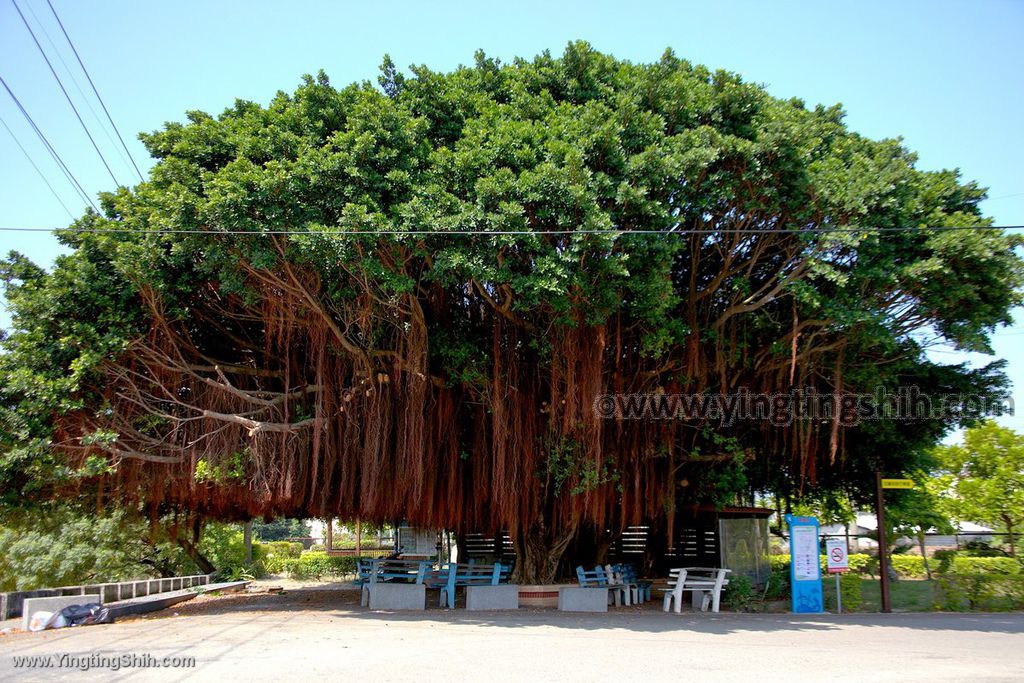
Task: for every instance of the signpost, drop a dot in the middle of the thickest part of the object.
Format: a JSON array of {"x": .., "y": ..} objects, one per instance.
[
  {"x": 897, "y": 483},
  {"x": 880, "y": 516},
  {"x": 837, "y": 561},
  {"x": 804, "y": 565}
]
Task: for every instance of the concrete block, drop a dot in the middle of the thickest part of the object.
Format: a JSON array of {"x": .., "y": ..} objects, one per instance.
[
  {"x": 579, "y": 599},
  {"x": 504, "y": 596},
  {"x": 398, "y": 596},
  {"x": 53, "y": 604}
]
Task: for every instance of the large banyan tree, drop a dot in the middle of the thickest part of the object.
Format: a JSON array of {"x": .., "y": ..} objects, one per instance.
[{"x": 401, "y": 302}]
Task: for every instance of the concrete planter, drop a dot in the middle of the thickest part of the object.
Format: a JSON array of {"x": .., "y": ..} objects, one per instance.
[
  {"x": 578, "y": 599},
  {"x": 537, "y": 595},
  {"x": 505, "y": 596},
  {"x": 397, "y": 596}
]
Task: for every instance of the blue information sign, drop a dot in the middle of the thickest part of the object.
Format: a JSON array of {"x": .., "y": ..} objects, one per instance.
[{"x": 804, "y": 565}]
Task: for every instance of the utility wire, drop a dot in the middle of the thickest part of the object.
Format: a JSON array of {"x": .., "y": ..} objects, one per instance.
[
  {"x": 31, "y": 161},
  {"x": 64, "y": 90},
  {"x": 94, "y": 89},
  {"x": 495, "y": 233},
  {"x": 53, "y": 152},
  {"x": 76, "y": 82}
]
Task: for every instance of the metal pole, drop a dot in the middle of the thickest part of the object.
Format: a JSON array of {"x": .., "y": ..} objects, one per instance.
[
  {"x": 839, "y": 596},
  {"x": 883, "y": 556}
]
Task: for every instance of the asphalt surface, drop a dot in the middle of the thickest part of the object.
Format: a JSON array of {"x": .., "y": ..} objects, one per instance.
[{"x": 323, "y": 634}]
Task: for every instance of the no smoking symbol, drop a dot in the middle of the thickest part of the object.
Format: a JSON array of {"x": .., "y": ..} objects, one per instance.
[{"x": 837, "y": 554}]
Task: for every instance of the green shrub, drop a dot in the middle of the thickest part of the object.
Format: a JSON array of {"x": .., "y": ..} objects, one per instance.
[
  {"x": 909, "y": 566},
  {"x": 777, "y": 587},
  {"x": 315, "y": 565},
  {"x": 981, "y": 549},
  {"x": 739, "y": 595},
  {"x": 990, "y": 565},
  {"x": 283, "y": 549},
  {"x": 850, "y": 585},
  {"x": 944, "y": 560},
  {"x": 860, "y": 563},
  {"x": 980, "y": 590}
]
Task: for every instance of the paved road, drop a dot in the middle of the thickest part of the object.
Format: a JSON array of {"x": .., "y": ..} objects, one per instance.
[{"x": 308, "y": 634}]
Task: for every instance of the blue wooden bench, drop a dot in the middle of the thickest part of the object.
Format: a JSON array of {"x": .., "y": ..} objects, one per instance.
[
  {"x": 600, "y": 577},
  {"x": 454, "y": 575}
]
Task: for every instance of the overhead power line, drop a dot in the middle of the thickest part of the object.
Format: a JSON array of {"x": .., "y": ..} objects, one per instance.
[
  {"x": 496, "y": 233},
  {"x": 75, "y": 80},
  {"x": 64, "y": 90},
  {"x": 94, "y": 89},
  {"x": 50, "y": 148},
  {"x": 41, "y": 175}
]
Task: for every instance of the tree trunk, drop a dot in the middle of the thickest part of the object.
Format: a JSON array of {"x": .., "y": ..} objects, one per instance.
[
  {"x": 924, "y": 554},
  {"x": 1009, "y": 536},
  {"x": 539, "y": 552},
  {"x": 247, "y": 539},
  {"x": 205, "y": 566}
]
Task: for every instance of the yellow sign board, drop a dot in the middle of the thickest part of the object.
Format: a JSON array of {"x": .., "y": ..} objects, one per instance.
[{"x": 897, "y": 483}]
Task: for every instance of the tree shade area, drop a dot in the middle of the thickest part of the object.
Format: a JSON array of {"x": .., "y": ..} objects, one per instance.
[{"x": 401, "y": 303}]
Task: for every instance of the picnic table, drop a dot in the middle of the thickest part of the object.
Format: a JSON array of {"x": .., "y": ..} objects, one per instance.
[{"x": 704, "y": 581}]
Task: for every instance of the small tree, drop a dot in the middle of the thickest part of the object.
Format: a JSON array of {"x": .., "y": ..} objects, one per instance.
[
  {"x": 280, "y": 529},
  {"x": 913, "y": 512},
  {"x": 986, "y": 482}
]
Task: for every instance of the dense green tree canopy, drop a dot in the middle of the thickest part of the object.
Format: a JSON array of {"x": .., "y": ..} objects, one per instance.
[
  {"x": 401, "y": 301},
  {"x": 983, "y": 478}
]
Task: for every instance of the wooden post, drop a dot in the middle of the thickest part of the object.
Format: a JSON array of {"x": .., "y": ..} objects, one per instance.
[
  {"x": 883, "y": 555},
  {"x": 359, "y": 538}
]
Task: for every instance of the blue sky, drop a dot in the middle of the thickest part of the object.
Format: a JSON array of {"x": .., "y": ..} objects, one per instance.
[{"x": 947, "y": 76}]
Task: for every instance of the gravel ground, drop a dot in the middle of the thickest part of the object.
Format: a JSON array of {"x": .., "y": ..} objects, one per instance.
[{"x": 308, "y": 633}]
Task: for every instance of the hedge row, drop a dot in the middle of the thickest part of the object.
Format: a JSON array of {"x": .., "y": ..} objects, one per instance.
[
  {"x": 861, "y": 563},
  {"x": 980, "y": 589},
  {"x": 912, "y": 566},
  {"x": 312, "y": 565}
]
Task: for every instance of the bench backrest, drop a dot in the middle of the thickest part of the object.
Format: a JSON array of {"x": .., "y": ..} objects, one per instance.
[
  {"x": 676, "y": 578},
  {"x": 492, "y": 574},
  {"x": 475, "y": 575},
  {"x": 592, "y": 577},
  {"x": 628, "y": 572},
  {"x": 413, "y": 571},
  {"x": 716, "y": 574}
]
